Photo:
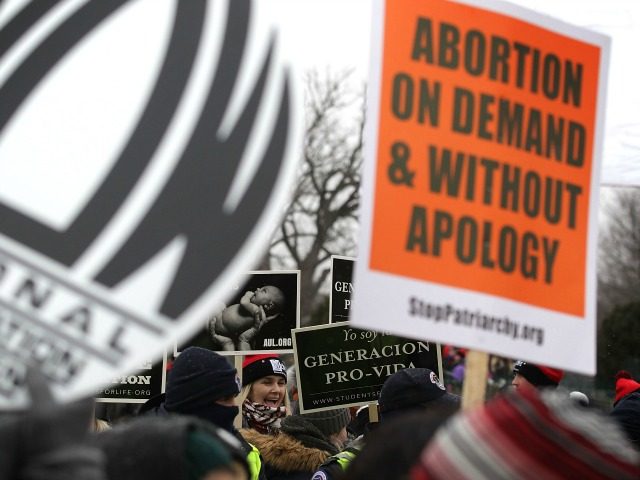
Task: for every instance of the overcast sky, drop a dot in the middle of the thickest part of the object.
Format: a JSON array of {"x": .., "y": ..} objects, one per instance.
[{"x": 336, "y": 34}]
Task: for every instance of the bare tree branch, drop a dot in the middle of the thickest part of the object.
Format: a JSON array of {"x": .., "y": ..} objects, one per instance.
[
  {"x": 619, "y": 251},
  {"x": 321, "y": 219}
]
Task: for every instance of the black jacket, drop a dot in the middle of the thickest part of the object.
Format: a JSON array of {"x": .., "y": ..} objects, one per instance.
[{"x": 627, "y": 413}]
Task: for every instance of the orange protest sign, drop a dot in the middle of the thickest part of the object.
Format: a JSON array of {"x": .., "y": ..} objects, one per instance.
[
  {"x": 484, "y": 159},
  {"x": 484, "y": 154}
]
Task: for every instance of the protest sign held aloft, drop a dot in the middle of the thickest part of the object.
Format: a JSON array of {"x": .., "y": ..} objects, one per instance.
[
  {"x": 137, "y": 387},
  {"x": 259, "y": 316},
  {"x": 338, "y": 365},
  {"x": 146, "y": 150},
  {"x": 341, "y": 288},
  {"x": 480, "y": 189}
]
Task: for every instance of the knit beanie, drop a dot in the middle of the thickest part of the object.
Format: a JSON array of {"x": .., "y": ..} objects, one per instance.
[
  {"x": 198, "y": 378},
  {"x": 538, "y": 375},
  {"x": 329, "y": 421},
  {"x": 625, "y": 385},
  {"x": 413, "y": 388},
  {"x": 205, "y": 453},
  {"x": 529, "y": 433},
  {"x": 304, "y": 431},
  {"x": 255, "y": 367}
]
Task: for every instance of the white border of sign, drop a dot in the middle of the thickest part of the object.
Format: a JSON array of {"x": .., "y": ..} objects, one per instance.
[{"x": 569, "y": 340}]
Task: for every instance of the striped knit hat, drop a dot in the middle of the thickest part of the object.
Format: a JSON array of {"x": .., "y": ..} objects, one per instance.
[
  {"x": 529, "y": 434},
  {"x": 255, "y": 367}
]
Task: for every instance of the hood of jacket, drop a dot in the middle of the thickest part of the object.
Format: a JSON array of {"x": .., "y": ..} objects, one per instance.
[{"x": 285, "y": 453}]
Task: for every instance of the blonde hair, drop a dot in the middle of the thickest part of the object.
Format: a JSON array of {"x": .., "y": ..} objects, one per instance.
[{"x": 100, "y": 425}]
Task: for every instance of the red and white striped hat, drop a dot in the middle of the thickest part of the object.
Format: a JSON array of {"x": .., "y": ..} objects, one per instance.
[{"x": 529, "y": 434}]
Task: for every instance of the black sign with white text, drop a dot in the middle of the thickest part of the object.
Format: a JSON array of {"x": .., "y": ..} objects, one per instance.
[
  {"x": 339, "y": 366},
  {"x": 341, "y": 288},
  {"x": 137, "y": 387}
]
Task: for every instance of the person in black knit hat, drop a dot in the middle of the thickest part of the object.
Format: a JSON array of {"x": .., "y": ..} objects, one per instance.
[
  {"x": 302, "y": 444},
  {"x": 203, "y": 383},
  {"x": 538, "y": 376},
  {"x": 200, "y": 383},
  {"x": 414, "y": 389}
]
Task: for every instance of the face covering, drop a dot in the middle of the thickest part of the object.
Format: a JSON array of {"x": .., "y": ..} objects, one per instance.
[
  {"x": 262, "y": 418},
  {"x": 220, "y": 415}
]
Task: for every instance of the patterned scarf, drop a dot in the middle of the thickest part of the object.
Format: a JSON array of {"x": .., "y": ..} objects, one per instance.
[{"x": 262, "y": 418}]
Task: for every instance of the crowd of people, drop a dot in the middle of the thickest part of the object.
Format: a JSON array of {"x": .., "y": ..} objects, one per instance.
[{"x": 214, "y": 423}]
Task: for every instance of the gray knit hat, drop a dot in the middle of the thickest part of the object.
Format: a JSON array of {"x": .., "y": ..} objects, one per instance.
[{"x": 329, "y": 421}]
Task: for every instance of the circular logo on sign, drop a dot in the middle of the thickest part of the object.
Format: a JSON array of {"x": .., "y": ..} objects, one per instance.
[
  {"x": 146, "y": 150},
  {"x": 436, "y": 381}
]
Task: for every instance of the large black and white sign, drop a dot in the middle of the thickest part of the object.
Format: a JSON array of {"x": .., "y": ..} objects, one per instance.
[
  {"x": 341, "y": 366},
  {"x": 136, "y": 387},
  {"x": 261, "y": 312},
  {"x": 146, "y": 150}
]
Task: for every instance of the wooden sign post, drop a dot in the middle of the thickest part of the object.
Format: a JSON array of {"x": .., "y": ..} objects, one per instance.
[{"x": 475, "y": 379}]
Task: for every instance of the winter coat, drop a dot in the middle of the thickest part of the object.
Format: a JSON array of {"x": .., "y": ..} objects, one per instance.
[
  {"x": 627, "y": 413},
  {"x": 295, "y": 452},
  {"x": 335, "y": 466}
]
